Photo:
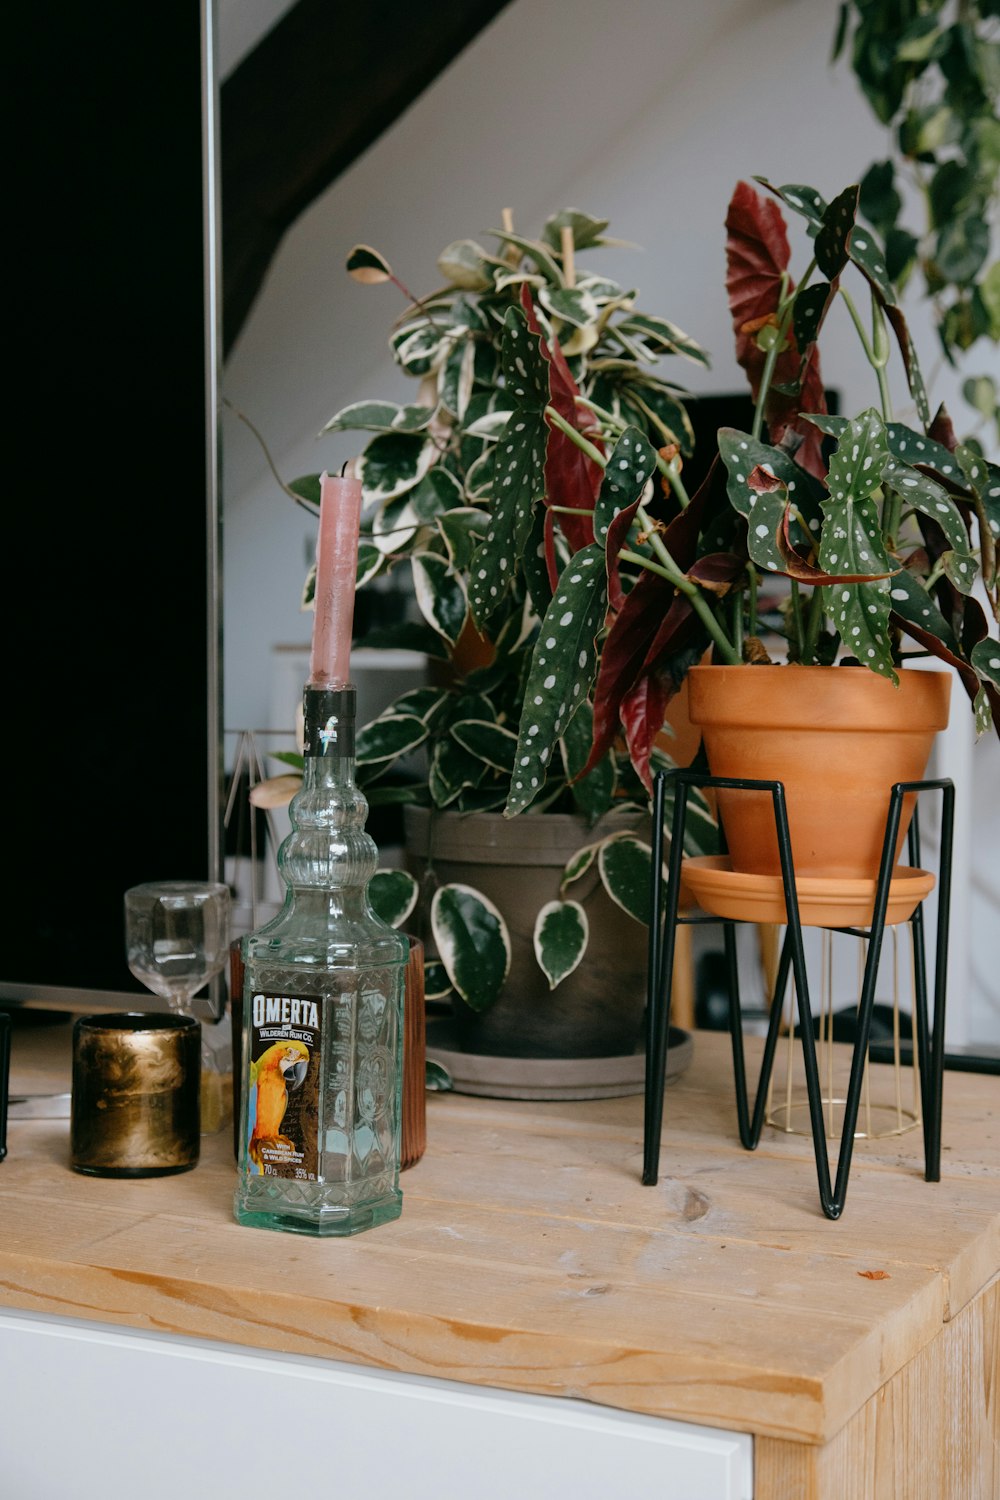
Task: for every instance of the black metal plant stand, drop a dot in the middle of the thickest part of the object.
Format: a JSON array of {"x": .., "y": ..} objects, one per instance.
[{"x": 929, "y": 1040}]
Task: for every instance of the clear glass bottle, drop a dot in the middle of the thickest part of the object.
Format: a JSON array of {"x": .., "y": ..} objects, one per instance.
[{"x": 322, "y": 1013}]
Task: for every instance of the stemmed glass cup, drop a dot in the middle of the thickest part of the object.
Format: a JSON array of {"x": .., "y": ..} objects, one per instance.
[{"x": 177, "y": 939}]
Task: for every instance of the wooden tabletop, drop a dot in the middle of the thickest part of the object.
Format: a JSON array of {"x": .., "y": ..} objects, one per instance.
[{"x": 529, "y": 1256}]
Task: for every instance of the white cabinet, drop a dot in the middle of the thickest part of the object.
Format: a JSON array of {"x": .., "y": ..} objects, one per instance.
[{"x": 102, "y": 1413}]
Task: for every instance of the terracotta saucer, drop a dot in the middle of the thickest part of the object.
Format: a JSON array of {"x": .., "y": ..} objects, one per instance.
[{"x": 823, "y": 902}]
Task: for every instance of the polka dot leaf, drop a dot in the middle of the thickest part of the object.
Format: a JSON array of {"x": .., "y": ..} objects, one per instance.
[
  {"x": 834, "y": 235},
  {"x": 857, "y": 462},
  {"x": 764, "y": 510},
  {"x": 518, "y": 470},
  {"x": 562, "y": 671},
  {"x": 983, "y": 479},
  {"x": 629, "y": 468},
  {"x": 985, "y": 657},
  {"x": 912, "y": 603},
  {"x": 560, "y": 939},
  {"x": 933, "y": 500},
  {"x": 800, "y": 199},
  {"x": 594, "y": 793}
]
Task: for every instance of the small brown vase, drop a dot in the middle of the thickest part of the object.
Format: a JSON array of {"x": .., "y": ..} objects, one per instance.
[{"x": 839, "y": 738}]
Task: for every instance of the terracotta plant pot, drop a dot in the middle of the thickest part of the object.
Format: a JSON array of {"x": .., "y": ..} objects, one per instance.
[
  {"x": 517, "y": 863},
  {"x": 839, "y": 738}
]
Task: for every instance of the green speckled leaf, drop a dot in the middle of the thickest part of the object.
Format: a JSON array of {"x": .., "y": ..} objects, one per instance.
[
  {"x": 487, "y": 741},
  {"x": 983, "y": 712},
  {"x": 869, "y": 257},
  {"x": 983, "y": 478},
  {"x": 932, "y": 499},
  {"x": 518, "y": 473},
  {"x": 808, "y": 311},
  {"x": 440, "y": 595},
  {"x": 629, "y": 469},
  {"x": 472, "y": 942},
  {"x": 961, "y": 568},
  {"x": 833, "y": 237},
  {"x": 393, "y": 463},
  {"x": 985, "y": 657},
  {"x": 800, "y": 199},
  {"x": 741, "y": 454},
  {"x": 625, "y": 864},
  {"x": 560, "y": 939},
  {"x": 905, "y": 444},
  {"x": 857, "y": 462},
  {"x": 388, "y": 737},
  {"x": 563, "y": 666},
  {"x": 393, "y": 894},
  {"x": 912, "y": 602}
]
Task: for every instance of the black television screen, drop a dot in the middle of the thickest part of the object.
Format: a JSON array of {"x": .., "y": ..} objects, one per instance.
[{"x": 112, "y": 682}]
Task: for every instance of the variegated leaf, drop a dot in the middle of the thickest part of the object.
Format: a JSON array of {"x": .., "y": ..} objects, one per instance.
[
  {"x": 518, "y": 474},
  {"x": 487, "y": 741},
  {"x": 455, "y": 384},
  {"x": 437, "y": 985},
  {"x": 661, "y": 336},
  {"x": 370, "y": 559},
  {"x": 579, "y": 863},
  {"x": 388, "y": 737},
  {"x": 467, "y": 265},
  {"x": 425, "y": 703},
  {"x": 560, "y": 939},
  {"x": 451, "y": 770},
  {"x": 587, "y": 231},
  {"x": 418, "y": 346},
  {"x": 462, "y": 530},
  {"x": 570, "y": 304},
  {"x": 393, "y": 463},
  {"x": 379, "y": 416},
  {"x": 629, "y": 468},
  {"x": 473, "y": 943},
  {"x": 438, "y": 492},
  {"x": 563, "y": 665},
  {"x": 394, "y": 526},
  {"x": 367, "y": 265},
  {"x": 393, "y": 894},
  {"x": 625, "y": 864},
  {"x": 440, "y": 594},
  {"x": 537, "y": 253}
]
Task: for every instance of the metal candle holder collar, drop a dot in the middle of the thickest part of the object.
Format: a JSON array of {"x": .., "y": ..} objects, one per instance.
[{"x": 929, "y": 1041}]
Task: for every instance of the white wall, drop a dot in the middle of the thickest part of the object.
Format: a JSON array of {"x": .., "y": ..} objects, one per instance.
[{"x": 645, "y": 112}]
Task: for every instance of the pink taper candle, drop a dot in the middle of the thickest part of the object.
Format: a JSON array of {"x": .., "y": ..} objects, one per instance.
[{"x": 336, "y": 575}]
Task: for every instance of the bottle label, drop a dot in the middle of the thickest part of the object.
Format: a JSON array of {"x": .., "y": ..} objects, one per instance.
[{"x": 284, "y": 1086}]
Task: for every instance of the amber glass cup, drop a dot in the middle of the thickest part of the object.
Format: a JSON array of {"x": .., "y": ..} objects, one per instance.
[{"x": 135, "y": 1109}]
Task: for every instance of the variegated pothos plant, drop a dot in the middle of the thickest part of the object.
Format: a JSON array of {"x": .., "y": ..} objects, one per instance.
[{"x": 481, "y": 493}]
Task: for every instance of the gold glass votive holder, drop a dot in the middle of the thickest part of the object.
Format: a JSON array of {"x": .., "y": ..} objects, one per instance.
[{"x": 135, "y": 1109}]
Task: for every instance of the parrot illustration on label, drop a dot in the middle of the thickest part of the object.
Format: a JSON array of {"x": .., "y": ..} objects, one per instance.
[{"x": 279, "y": 1070}]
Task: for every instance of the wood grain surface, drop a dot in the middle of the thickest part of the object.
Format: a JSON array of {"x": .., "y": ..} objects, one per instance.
[{"x": 530, "y": 1257}]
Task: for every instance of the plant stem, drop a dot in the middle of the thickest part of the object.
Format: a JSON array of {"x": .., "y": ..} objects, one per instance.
[
  {"x": 813, "y": 622},
  {"x": 786, "y": 310},
  {"x": 305, "y": 504},
  {"x": 795, "y": 600},
  {"x": 699, "y": 604},
  {"x": 584, "y": 444}
]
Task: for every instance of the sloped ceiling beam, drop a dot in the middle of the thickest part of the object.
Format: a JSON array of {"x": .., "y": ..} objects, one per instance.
[{"x": 316, "y": 92}]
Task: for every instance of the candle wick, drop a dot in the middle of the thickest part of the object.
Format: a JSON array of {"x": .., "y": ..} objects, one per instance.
[{"x": 343, "y": 467}]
